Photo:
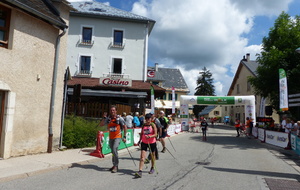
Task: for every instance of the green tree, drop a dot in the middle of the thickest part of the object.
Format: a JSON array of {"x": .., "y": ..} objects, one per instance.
[
  {"x": 204, "y": 87},
  {"x": 278, "y": 51}
]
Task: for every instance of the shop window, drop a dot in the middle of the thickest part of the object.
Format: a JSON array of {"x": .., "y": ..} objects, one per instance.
[{"x": 5, "y": 14}]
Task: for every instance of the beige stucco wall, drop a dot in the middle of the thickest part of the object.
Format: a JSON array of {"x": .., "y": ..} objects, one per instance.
[
  {"x": 243, "y": 91},
  {"x": 31, "y": 53}
]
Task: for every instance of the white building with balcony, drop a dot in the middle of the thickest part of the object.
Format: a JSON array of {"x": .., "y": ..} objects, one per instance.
[
  {"x": 107, "y": 54},
  {"x": 105, "y": 41}
]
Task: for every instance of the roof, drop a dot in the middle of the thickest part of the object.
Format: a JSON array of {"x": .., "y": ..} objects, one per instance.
[
  {"x": 101, "y": 10},
  {"x": 169, "y": 77},
  {"x": 207, "y": 110},
  {"x": 250, "y": 65},
  {"x": 42, "y": 9},
  {"x": 94, "y": 83}
]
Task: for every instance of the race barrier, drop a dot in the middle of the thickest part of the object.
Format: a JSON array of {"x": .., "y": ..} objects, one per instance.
[
  {"x": 129, "y": 141},
  {"x": 295, "y": 142},
  {"x": 271, "y": 137}
]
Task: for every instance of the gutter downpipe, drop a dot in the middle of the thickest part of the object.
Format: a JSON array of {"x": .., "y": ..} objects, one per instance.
[
  {"x": 50, "y": 129},
  {"x": 63, "y": 108}
]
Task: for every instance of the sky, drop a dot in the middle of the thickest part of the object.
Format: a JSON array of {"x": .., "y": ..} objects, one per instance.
[{"x": 193, "y": 34}]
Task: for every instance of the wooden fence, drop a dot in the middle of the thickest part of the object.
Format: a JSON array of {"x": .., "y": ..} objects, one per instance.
[{"x": 94, "y": 109}]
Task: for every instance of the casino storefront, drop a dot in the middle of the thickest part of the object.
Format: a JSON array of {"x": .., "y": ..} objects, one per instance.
[{"x": 90, "y": 97}]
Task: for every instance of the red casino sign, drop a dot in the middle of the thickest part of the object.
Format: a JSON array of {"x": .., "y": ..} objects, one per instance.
[{"x": 151, "y": 73}]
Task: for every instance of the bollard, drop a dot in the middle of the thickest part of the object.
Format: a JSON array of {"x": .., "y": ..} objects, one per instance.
[{"x": 98, "y": 151}]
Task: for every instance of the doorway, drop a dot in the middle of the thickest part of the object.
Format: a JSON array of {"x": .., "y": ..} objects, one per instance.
[{"x": 2, "y": 103}]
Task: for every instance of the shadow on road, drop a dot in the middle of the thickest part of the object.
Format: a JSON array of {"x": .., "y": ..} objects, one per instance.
[
  {"x": 229, "y": 141},
  {"x": 256, "y": 172},
  {"x": 97, "y": 168}
]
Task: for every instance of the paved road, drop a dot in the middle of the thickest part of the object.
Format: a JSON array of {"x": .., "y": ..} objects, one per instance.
[{"x": 222, "y": 162}]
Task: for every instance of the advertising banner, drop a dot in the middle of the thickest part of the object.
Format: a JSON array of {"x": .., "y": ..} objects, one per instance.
[
  {"x": 255, "y": 132},
  {"x": 277, "y": 138},
  {"x": 293, "y": 141},
  {"x": 228, "y": 100},
  {"x": 171, "y": 130},
  {"x": 283, "y": 91},
  {"x": 184, "y": 115},
  {"x": 129, "y": 141},
  {"x": 136, "y": 135},
  {"x": 261, "y": 134},
  {"x": 177, "y": 128}
]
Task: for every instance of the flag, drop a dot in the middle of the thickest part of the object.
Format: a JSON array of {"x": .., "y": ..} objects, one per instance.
[
  {"x": 173, "y": 100},
  {"x": 283, "y": 91},
  {"x": 152, "y": 100}
]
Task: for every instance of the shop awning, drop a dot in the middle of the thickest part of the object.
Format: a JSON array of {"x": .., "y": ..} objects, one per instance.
[{"x": 110, "y": 93}]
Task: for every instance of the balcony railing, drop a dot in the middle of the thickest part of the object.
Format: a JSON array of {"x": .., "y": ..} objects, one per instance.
[
  {"x": 86, "y": 42},
  {"x": 116, "y": 75},
  {"x": 84, "y": 73}
]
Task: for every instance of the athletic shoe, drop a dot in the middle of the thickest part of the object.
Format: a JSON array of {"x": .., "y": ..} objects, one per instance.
[
  {"x": 151, "y": 171},
  {"x": 114, "y": 169},
  {"x": 110, "y": 169},
  {"x": 138, "y": 174},
  {"x": 147, "y": 161},
  {"x": 163, "y": 150}
]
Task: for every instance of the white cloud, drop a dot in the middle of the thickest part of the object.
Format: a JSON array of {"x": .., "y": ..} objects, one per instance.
[
  {"x": 79, "y": 0},
  {"x": 192, "y": 34}
]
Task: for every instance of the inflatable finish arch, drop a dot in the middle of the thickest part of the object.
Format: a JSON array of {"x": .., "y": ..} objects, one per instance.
[{"x": 247, "y": 101}]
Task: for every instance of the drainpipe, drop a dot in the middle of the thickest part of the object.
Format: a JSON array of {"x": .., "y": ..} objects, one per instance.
[{"x": 50, "y": 131}]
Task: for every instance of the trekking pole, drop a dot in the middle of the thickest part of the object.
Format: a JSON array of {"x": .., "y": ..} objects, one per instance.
[
  {"x": 171, "y": 143},
  {"x": 170, "y": 153},
  {"x": 129, "y": 153},
  {"x": 152, "y": 157}
]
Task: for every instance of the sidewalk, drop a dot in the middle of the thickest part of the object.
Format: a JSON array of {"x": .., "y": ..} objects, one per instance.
[{"x": 25, "y": 166}]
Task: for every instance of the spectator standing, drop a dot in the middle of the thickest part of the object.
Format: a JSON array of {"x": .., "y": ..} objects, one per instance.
[
  {"x": 136, "y": 120},
  {"x": 283, "y": 124},
  {"x": 142, "y": 119},
  {"x": 128, "y": 120},
  {"x": 288, "y": 129}
]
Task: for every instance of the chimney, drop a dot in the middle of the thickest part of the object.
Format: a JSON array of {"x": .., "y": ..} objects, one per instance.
[
  {"x": 156, "y": 66},
  {"x": 248, "y": 57}
]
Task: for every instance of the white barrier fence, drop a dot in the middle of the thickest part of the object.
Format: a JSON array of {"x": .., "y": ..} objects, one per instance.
[
  {"x": 271, "y": 137},
  {"x": 173, "y": 129}
]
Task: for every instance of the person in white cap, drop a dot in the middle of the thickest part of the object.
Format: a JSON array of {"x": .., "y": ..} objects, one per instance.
[{"x": 164, "y": 121}]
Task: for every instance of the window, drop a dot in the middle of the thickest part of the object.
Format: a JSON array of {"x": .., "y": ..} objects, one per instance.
[
  {"x": 4, "y": 26},
  {"x": 87, "y": 36},
  {"x": 155, "y": 82},
  {"x": 237, "y": 88},
  {"x": 216, "y": 113},
  {"x": 248, "y": 86},
  {"x": 118, "y": 38},
  {"x": 170, "y": 96},
  {"x": 165, "y": 97},
  {"x": 117, "y": 66},
  {"x": 85, "y": 65}
]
